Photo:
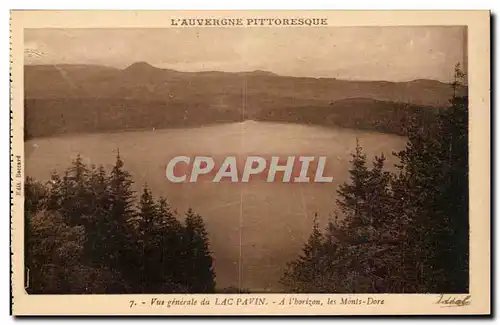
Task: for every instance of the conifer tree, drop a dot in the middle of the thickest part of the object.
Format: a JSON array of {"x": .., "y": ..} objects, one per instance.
[
  {"x": 80, "y": 201},
  {"x": 121, "y": 247},
  {"x": 306, "y": 272},
  {"x": 166, "y": 217},
  {"x": 54, "y": 192},
  {"x": 366, "y": 199},
  {"x": 99, "y": 187},
  {"x": 35, "y": 195},
  {"x": 79, "y": 170},
  {"x": 313, "y": 248},
  {"x": 65, "y": 189},
  {"x": 353, "y": 196},
  {"x": 379, "y": 196},
  {"x": 97, "y": 222},
  {"x": 121, "y": 193},
  {"x": 171, "y": 233},
  {"x": 149, "y": 242},
  {"x": 404, "y": 232},
  {"x": 102, "y": 252},
  {"x": 148, "y": 211},
  {"x": 434, "y": 197},
  {"x": 198, "y": 268},
  {"x": 351, "y": 255}
]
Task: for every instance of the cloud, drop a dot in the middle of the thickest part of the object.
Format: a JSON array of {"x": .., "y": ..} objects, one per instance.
[{"x": 35, "y": 52}]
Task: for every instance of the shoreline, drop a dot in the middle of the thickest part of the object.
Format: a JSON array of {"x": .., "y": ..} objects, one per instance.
[{"x": 131, "y": 130}]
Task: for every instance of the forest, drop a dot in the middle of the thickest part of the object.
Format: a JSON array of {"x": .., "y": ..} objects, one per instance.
[
  {"x": 406, "y": 231},
  {"x": 402, "y": 232},
  {"x": 86, "y": 233},
  {"x": 140, "y": 97}
]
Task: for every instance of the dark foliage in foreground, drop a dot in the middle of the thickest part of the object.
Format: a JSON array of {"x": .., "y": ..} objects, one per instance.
[
  {"x": 86, "y": 233},
  {"x": 403, "y": 232}
]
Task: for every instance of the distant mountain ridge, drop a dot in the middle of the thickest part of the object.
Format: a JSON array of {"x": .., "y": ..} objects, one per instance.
[
  {"x": 102, "y": 81},
  {"x": 91, "y": 98},
  {"x": 142, "y": 65}
]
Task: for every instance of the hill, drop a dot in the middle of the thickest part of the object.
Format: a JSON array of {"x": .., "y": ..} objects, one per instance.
[{"x": 87, "y": 98}]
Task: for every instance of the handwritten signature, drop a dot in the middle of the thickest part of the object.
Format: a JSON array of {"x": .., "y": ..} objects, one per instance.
[{"x": 453, "y": 301}]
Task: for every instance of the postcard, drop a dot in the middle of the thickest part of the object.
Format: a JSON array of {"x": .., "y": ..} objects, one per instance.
[{"x": 250, "y": 162}]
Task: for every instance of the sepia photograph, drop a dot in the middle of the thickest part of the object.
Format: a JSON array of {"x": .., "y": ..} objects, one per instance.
[{"x": 242, "y": 160}]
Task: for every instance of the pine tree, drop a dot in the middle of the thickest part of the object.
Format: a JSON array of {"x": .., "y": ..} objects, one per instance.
[
  {"x": 79, "y": 170},
  {"x": 432, "y": 187},
  {"x": 121, "y": 194},
  {"x": 148, "y": 211},
  {"x": 366, "y": 201},
  {"x": 121, "y": 248},
  {"x": 307, "y": 272},
  {"x": 55, "y": 195},
  {"x": 104, "y": 252},
  {"x": 166, "y": 217},
  {"x": 353, "y": 255},
  {"x": 353, "y": 195},
  {"x": 313, "y": 248},
  {"x": 97, "y": 223},
  {"x": 171, "y": 234},
  {"x": 149, "y": 254},
  {"x": 99, "y": 186},
  {"x": 379, "y": 196},
  {"x": 35, "y": 196},
  {"x": 66, "y": 191},
  {"x": 80, "y": 201},
  {"x": 198, "y": 268},
  {"x": 363, "y": 199}
]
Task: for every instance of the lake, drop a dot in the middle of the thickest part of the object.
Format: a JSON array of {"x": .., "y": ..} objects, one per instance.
[{"x": 254, "y": 228}]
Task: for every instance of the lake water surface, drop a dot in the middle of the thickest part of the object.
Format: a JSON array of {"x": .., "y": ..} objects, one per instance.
[{"x": 254, "y": 228}]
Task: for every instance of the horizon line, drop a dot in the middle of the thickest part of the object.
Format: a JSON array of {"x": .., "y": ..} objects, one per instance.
[{"x": 271, "y": 73}]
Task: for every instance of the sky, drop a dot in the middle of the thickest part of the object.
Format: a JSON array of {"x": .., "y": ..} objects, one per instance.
[{"x": 356, "y": 53}]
